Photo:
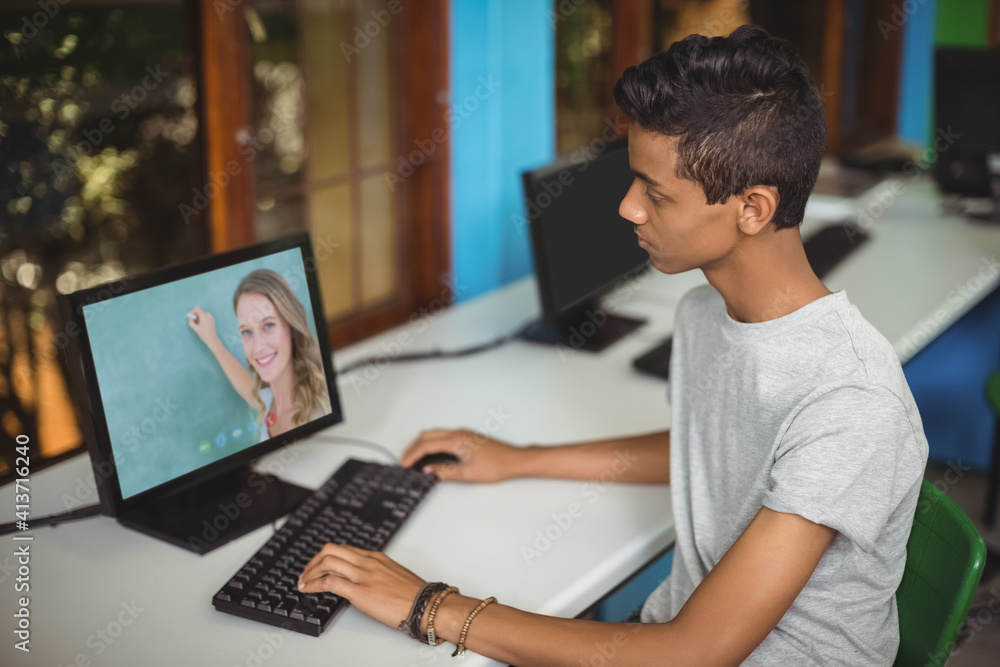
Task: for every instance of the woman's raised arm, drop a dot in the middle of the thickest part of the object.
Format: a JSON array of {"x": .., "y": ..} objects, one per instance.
[{"x": 203, "y": 324}]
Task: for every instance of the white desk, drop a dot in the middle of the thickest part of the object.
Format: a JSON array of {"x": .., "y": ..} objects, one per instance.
[
  {"x": 83, "y": 573},
  {"x": 471, "y": 536}
]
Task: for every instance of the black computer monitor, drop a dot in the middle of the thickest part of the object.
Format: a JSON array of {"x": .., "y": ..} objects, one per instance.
[
  {"x": 186, "y": 375},
  {"x": 967, "y": 104},
  {"x": 582, "y": 247}
]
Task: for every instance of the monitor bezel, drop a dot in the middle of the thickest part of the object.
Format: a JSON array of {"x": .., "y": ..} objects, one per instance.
[
  {"x": 532, "y": 182},
  {"x": 80, "y": 361},
  {"x": 969, "y": 63}
]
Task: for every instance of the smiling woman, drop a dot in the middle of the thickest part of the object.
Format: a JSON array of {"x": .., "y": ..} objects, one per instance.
[{"x": 285, "y": 382}]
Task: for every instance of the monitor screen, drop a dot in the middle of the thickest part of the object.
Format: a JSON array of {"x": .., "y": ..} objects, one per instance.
[
  {"x": 196, "y": 370},
  {"x": 967, "y": 104},
  {"x": 581, "y": 245}
]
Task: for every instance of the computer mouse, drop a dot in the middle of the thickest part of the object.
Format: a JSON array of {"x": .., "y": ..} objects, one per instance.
[{"x": 434, "y": 458}]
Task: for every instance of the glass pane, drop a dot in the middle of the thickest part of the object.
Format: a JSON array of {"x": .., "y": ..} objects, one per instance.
[
  {"x": 277, "y": 218},
  {"x": 327, "y": 97},
  {"x": 375, "y": 78},
  {"x": 676, "y": 19},
  {"x": 379, "y": 241},
  {"x": 330, "y": 223},
  {"x": 99, "y": 147},
  {"x": 278, "y": 94},
  {"x": 584, "y": 76}
]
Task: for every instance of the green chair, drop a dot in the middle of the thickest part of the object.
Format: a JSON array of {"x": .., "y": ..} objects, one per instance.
[{"x": 945, "y": 556}]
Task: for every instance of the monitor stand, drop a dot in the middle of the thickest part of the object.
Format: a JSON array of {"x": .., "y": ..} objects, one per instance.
[
  {"x": 217, "y": 510},
  {"x": 589, "y": 328}
]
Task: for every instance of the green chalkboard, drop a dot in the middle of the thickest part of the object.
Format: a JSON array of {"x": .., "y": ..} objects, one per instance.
[{"x": 164, "y": 394}]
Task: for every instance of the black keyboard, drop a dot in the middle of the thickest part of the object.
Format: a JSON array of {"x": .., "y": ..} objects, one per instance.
[
  {"x": 362, "y": 505},
  {"x": 831, "y": 245},
  {"x": 655, "y": 362}
]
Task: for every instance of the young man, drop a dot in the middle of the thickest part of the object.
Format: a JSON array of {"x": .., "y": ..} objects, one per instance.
[{"x": 796, "y": 451}]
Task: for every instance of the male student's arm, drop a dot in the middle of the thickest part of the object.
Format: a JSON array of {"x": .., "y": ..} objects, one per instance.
[
  {"x": 728, "y": 615},
  {"x": 640, "y": 459}
]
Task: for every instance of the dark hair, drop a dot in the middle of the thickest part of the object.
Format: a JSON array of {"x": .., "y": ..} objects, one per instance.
[{"x": 745, "y": 112}]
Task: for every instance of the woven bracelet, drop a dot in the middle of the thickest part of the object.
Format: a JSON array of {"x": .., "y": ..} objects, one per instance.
[{"x": 411, "y": 624}]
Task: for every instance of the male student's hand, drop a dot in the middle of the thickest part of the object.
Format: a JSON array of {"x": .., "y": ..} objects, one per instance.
[
  {"x": 370, "y": 580},
  {"x": 480, "y": 459}
]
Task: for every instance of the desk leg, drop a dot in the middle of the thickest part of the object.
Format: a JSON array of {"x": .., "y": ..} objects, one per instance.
[{"x": 993, "y": 480}]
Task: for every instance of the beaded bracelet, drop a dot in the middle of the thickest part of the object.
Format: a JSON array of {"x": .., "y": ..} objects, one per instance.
[
  {"x": 411, "y": 624},
  {"x": 460, "y": 649},
  {"x": 432, "y": 613}
]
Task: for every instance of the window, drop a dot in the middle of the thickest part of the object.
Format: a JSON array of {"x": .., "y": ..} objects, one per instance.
[{"x": 99, "y": 140}]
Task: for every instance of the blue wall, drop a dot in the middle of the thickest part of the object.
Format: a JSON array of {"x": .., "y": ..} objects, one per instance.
[
  {"x": 914, "y": 115},
  {"x": 498, "y": 131}
]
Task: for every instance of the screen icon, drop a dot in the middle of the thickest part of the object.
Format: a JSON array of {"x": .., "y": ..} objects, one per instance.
[
  {"x": 237, "y": 433},
  {"x": 204, "y": 446},
  {"x": 220, "y": 440}
]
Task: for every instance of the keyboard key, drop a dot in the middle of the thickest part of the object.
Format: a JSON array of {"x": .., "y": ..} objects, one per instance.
[{"x": 362, "y": 504}]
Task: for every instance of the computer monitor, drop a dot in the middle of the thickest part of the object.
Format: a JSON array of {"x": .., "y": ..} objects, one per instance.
[
  {"x": 582, "y": 247},
  {"x": 967, "y": 104},
  {"x": 186, "y": 375}
]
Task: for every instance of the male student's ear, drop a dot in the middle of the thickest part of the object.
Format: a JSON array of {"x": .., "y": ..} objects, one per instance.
[{"x": 756, "y": 208}]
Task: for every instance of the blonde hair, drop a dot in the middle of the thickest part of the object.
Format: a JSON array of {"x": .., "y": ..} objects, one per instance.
[{"x": 310, "y": 393}]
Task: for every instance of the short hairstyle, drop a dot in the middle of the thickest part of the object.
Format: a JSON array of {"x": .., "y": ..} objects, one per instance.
[{"x": 745, "y": 112}]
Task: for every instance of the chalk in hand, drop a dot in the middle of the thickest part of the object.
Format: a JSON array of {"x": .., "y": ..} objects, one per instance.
[{"x": 193, "y": 317}]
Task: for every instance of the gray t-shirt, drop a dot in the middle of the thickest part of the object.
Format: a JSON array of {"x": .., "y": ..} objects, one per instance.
[{"x": 807, "y": 414}]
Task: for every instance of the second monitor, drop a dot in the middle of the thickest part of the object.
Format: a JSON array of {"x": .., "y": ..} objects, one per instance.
[{"x": 582, "y": 248}]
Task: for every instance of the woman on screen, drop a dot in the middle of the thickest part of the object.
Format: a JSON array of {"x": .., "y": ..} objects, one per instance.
[{"x": 285, "y": 383}]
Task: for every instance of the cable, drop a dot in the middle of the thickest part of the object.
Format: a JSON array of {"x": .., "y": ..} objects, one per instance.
[
  {"x": 53, "y": 520},
  {"x": 437, "y": 353},
  {"x": 362, "y": 443}
]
